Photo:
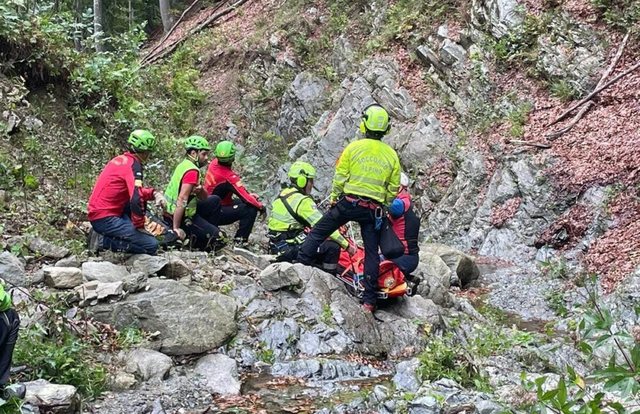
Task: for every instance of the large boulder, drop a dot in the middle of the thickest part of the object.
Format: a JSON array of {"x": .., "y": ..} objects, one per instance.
[
  {"x": 62, "y": 277},
  {"x": 148, "y": 364},
  {"x": 462, "y": 265},
  {"x": 53, "y": 398},
  {"x": 12, "y": 270},
  {"x": 104, "y": 272},
  {"x": 189, "y": 321},
  {"x": 220, "y": 373}
]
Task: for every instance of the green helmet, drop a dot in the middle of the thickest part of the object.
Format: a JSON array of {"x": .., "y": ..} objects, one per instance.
[
  {"x": 225, "y": 151},
  {"x": 142, "y": 140},
  {"x": 301, "y": 171},
  {"x": 375, "y": 118},
  {"x": 196, "y": 142}
]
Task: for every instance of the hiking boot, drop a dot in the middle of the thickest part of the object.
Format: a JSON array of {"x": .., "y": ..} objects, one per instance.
[
  {"x": 14, "y": 391},
  {"x": 368, "y": 308},
  {"x": 94, "y": 241}
]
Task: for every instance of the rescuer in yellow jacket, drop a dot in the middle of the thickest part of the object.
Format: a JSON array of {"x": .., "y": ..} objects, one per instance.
[
  {"x": 367, "y": 179},
  {"x": 292, "y": 212}
]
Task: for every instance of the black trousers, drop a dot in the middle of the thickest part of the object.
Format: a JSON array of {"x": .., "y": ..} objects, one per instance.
[
  {"x": 9, "y": 326},
  {"x": 326, "y": 258},
  {"x": 201, "y": 228},
  {"x": 343, "y": 212},
  {"x": 240, "y": 211}
]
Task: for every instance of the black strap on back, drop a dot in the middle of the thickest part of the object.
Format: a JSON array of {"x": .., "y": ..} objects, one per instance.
[{"x": 294, "y": 214}]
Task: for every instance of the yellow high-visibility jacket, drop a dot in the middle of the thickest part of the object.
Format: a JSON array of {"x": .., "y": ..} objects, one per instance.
[
  {"x": 368, "y": 168},
  {"x": 303, "y": 205}
]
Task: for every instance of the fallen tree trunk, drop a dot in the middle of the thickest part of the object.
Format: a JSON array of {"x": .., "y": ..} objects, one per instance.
[
  {"x": 149, "y": 59},
  {"x": 173, "y": 28}
]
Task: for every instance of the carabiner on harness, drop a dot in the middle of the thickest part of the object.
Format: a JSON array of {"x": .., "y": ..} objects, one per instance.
[{"x": 378, "y": 217}]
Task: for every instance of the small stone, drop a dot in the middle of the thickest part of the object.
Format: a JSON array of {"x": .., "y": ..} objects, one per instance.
[
  {"x": 104, "y": 272},
  {"x": 220, "y": 373},
  {"x": 148, "y": 364},
  {"x": 52, "y": 397},
  {"x": 123, "y": 381},
  {"x": 176, "y": 269}
]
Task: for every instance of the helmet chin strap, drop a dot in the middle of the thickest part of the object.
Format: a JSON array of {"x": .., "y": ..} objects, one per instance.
[{"x": 195, "y": 160}]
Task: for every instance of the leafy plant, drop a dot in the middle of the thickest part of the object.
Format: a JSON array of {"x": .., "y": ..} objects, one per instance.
[
  {"x": 564, "y": 90},
  {"x": 575, "y": 393},
  {"x": 327, "y": 315}
]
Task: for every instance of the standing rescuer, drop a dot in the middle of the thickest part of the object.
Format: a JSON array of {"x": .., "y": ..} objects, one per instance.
[
  {"x": 367, "y": 179},
  {"x": 118, "y": 202},
  {"x": 294, "y": 210},
  {"x": 188, "y": 206},
  {"x": 222, "y": 181}
]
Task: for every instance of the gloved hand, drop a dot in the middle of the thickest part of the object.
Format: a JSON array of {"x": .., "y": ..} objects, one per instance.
[
  {"x": 352, "y": 249},
  {"x": 160, "y": 201},
  {"x": 198, "y": 190},
  {"x": 180, "y": 233}
]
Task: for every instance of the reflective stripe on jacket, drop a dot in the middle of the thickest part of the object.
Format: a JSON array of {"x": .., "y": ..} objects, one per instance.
[
  {"x": 368, "y": 168},
  {"x": 173, "y": 189},
  {"x": 281, "y": 220}
]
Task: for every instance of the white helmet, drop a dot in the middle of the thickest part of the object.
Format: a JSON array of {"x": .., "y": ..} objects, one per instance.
[{"x": 404, "y": 180}]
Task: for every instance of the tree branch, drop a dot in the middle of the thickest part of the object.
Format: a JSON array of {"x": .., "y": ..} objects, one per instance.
[
  {"x": 173, "y": 28},
  {"x": 595, "y": 92},
  {"x": 614, "y": 62}
]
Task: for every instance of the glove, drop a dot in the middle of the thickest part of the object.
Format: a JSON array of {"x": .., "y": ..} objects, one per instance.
[
  {"x": 160, "y": 201},
  {"x": 352, "y": 249},
  {"x": 180, "y": 233}
]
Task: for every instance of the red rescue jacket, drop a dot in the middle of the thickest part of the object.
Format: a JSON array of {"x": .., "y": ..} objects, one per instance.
[
  {"x": 119, "y": 189},
  {"x": 407, "y": 226},
  {"x": 222, "y": 181}
]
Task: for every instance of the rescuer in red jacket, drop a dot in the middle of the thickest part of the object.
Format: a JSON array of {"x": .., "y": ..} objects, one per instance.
[
  {"x": 222, "y": 181},
  {"x": 406, "y": 225},
  {"x": 117, "y": 206}
]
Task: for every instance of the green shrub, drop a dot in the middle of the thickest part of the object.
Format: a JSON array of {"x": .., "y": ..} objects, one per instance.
[
  {"x": 564, "y": 90},
  {"x": 65, "y": 359}
]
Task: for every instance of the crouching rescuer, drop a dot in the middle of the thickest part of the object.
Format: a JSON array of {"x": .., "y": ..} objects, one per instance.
[
  {"x": 294, "y": 211},
  {"x": 189, "y": 210}
]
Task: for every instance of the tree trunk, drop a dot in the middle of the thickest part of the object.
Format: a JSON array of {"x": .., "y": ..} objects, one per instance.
[
  {"x": 97, "y": 25},
  {"x": 165, "y": 13},
  {"x": 77, "y": 32},
  {"x": 130, "y": 15}
]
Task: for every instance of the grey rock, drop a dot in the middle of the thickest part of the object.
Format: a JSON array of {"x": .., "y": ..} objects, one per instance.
[
  {"x": 123, "y": 381},
  {"x": 280, "y": 336},
  {"x": 147, "y": 264},
  {"x": 62, "y": 277},
  {"x": 461, "y": 264},
  {"x": 32, "y": 123},
  {"x": 417, "y": 307},
  {"x": 95, "y": 290},
  {"x": 220, "y": 373},
  {"x": 257, "y": 260},
  {"x": 176, "y": 269},
  {"x": 488, "y": 407},
  {"x": 46, "y": 249},
  {"x": 104, "y": 272},
  {"x": 148, "y": 364},
  {"x": 424, "y": 405},
  {"x": 303, "y": 101},
  {"x": 380, "y": 393},
  {"x": 71, "y": 261},
  {"x": 188, "y": 321},
  {"x": 406, "y": 377},
  {"x": 324, "y": 369},
  {"x": 245, "y": 289},
  {"x": 281, "y": 275},
  {"x": 496, "y": 16},
  {"x": 54, "y": 398},
  {"x": 12, "y": 270},
  {"x": 342, "y": 57},
  {"x": 135, "y": 282},
  {"x": 157, "y": 407}
]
